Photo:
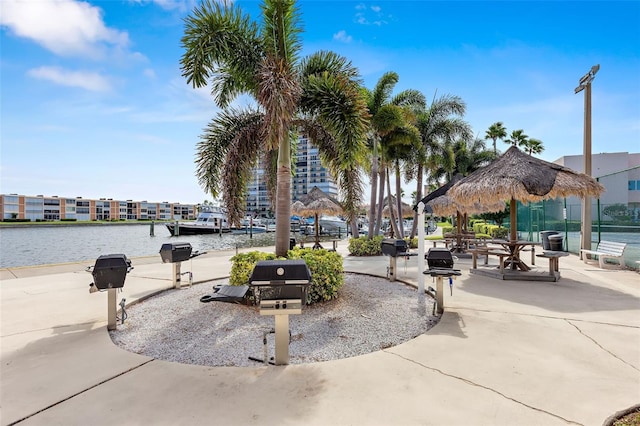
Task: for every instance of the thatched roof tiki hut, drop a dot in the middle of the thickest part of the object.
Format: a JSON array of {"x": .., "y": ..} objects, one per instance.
[
  {"x": 316, "y": 202},
  {"x": 441, "y": 204},
  {"x": 519, "y": 176}
]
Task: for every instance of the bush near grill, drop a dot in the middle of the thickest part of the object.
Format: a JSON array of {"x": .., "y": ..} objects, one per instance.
[
  {"x": 325, "y": 266},
  {"x": 364, "y": 246},
  {"x": 327, "y": 273},
  {"x": 243, "y": 264}
]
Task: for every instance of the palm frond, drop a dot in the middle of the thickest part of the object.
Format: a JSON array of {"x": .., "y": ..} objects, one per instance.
[
  {"x": 281, "y": 30},
  {"x": 219, "y": 38},
  {"x": 226, "y": 154}
]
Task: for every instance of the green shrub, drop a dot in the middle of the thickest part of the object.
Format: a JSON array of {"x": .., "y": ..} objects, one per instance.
[
  {"x": 243, "y": 264},
  {"x": 325, "y": 266},
  {"x": 447, "y": 229},
  {"x": 499, "y": 232},
  {"x": 364, "y": 246},
  {"x": 327, "y": 273},
  {"x": 479, "y": 226},
  {"x": 69, "y": 219},
  {"x": 413, "y": 243}
]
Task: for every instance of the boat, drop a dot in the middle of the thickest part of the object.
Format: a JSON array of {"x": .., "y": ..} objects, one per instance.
[
  {"x": 210, "y": 220},
  {"x": 251, "y": 225},
  {"x": 332, "y": 225}
]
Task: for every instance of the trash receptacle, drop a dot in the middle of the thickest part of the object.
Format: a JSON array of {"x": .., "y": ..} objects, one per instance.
[
  {"x": 555, "y": 243},
  {"x": 545, "y": 239},
  {"x": 292, "y": 243}
]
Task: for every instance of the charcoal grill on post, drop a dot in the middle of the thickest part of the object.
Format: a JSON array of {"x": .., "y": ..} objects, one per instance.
[
  {"x": 176, "y": 253},
  {"x": 393, "y": 248},
  {"x": 282, "y": 287},
  {"x": 109, "y": 273},
  {"x": 440, "y": 262}
]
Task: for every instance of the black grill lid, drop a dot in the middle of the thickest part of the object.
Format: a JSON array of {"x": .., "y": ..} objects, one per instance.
[
  {"x": 439, "y": 257},
  {"x": 280, "y": 272}
]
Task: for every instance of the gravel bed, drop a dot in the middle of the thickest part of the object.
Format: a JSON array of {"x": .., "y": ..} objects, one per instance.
[{"x": 371, "y": 314}]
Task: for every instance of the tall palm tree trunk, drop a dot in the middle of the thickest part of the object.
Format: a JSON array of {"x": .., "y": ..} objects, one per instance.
[
  {"x": 374, "y": 185},
  {"x": 283, "y": 200},
  {"x": 380, "y": 200},
  {"x": 394, "y": 225},
  {"x": 419, "y": 178},
  {"x": 399, "y": 200}
]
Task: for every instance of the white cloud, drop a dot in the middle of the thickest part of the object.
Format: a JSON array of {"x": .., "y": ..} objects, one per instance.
[
  {"x": 150, "y": 73},
  {"x": 342, "y": 36},
  {"x": 83, "y": 79},
  {"x": 364, "y": 18},
  {"x": 65, "y": 27}
]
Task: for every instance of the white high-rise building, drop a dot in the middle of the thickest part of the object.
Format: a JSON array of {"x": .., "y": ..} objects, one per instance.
[{"x": 308, "y": 172}]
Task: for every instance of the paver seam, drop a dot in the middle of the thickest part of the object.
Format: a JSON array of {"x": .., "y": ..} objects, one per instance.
[
  {"x": 489, "y": 311},
  {"x": 469, "y": 382},
  {"x": 80, "y": 392},
  {"x": 602, "y": 347}
]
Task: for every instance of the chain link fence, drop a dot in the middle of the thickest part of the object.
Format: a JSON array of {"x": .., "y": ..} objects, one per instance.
[{"x": 615, "y": 216}]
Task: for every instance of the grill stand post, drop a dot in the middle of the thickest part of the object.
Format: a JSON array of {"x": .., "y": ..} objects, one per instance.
[
  {"x": 111, "y": 309},
  {"x": 392, "y": 267},
  {"x": 440, "y": 294},
  {"x": 282, "y": 339},
  {"x": 176, "y": 275}
]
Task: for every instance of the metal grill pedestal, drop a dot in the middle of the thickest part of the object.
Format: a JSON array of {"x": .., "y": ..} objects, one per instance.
[{"x": 282, "y": 285}]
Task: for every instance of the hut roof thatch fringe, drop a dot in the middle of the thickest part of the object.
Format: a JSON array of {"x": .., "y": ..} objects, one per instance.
[
  {"x": 520, "y": 176},
  {"x": 444, "y": 206},
  {"x": 438, "y": 192},
  {"x": 315, "y": 202},
  {"x": 406, "y": 209}
]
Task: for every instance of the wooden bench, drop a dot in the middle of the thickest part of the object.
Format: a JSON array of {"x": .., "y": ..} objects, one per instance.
[
  {"x": 501, "y": 254},
  {"x": 606, "y": 250},
  {"x": 334, "y": 243},
  {"x": 553, "y": 257},
  {"x": 479, "y": 251}
]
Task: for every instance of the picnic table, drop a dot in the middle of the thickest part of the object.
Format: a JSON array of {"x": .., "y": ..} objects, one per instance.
[{"x": 512, "y": 257}]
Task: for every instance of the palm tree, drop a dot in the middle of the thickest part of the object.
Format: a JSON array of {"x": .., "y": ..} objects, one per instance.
[
  {"x": 397, "y": 147},
  {"x": 439, "y": 124},
  {"x": 534, "y": 146},
  {"x": 319, "y": 95},
  {"x": 517, "y": 138},
  {"x": 470, "y": 156},
  {"x": 496, "y": 131},
  {"x": 387, "y": 116}
]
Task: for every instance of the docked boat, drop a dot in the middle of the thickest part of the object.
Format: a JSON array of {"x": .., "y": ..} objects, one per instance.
[
  {"x": 210, "y": 220},
  {"x": 253, "y": 226},
  {"x": 332, "y": 225}
]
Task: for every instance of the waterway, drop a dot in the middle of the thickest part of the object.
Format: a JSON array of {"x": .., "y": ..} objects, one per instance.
[{"x": 42, "y": 245}]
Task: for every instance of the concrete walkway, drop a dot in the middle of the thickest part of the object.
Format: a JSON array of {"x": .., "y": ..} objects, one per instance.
[{"x": 504, "y": 353}]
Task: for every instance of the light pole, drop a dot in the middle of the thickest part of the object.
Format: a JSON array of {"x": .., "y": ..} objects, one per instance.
[{"x": 585, "y": 83}]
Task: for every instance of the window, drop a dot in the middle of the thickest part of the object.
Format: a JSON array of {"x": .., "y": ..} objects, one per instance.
[{"x": 632, "y": 185}]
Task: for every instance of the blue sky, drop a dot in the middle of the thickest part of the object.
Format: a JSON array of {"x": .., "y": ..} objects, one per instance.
[{"x": 93, "y": 103}]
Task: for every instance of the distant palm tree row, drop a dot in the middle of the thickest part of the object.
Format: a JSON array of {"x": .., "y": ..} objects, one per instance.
[
  {"x": 517, "y": 138},
  {"x": 322, "y": 97}
]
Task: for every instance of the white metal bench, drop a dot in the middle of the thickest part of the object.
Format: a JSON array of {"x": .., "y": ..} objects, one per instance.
[{"x": 606, "y": 250}]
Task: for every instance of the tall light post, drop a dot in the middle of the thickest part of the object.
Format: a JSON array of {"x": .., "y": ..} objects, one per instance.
[{"x": 585, "y": 84}]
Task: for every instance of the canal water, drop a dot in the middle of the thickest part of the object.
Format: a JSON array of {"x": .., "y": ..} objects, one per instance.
[{"x": 42, "y": 245}]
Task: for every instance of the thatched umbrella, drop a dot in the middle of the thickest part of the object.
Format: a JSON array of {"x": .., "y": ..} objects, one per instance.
[
  {"x": 316, "y": 202},
  {"x": 406, "y": 210},
  {"x": 444, "y": 205},
  {"x": 516, "y": 175}
]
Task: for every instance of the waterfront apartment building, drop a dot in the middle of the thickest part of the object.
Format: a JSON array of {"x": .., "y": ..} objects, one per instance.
[
  {"x": 308, "y": 172},
  {"x": 41, "y": 208}
]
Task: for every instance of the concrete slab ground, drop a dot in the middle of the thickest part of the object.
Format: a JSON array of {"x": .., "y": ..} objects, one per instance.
[{"x": 503, "y": 353}]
